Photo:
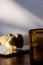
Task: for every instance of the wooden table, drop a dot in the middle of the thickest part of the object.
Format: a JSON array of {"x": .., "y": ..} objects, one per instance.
[{"x": 23, "y": 59}]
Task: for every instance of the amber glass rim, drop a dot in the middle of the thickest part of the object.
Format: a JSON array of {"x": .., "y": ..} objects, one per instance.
[
  {"x": 35, "y": 31},
  {"x": 30, "y": 31}
]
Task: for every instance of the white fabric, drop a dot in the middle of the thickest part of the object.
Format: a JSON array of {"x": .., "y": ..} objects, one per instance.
[{"x": 3, "y": 49}]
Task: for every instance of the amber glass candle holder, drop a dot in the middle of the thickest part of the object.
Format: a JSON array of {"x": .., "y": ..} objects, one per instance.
[{"x": 36, "y": 45}]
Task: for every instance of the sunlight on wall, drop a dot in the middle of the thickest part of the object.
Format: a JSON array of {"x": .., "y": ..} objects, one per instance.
[{"x": 15, "y": 14}]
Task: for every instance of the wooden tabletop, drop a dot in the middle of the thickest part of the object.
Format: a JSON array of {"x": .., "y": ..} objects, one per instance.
[{"x": 17, "y": 60}]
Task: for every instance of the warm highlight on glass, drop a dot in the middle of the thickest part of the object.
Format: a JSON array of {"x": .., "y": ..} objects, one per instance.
[{"x": 36, "y": 46}]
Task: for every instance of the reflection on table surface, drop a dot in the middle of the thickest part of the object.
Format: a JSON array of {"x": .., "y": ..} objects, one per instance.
[{"x": 17, "y": 60}]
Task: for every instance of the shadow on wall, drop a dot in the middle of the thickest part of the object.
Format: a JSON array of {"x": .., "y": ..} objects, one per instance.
[{"x": 34, "y": 6}]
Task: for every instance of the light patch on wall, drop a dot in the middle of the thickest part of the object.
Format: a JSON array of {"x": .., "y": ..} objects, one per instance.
[{"x": 13, "y": 13}]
